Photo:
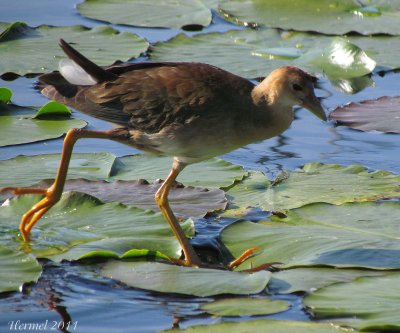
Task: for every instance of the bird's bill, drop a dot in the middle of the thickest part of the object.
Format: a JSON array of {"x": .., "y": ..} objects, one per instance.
[{"x": 313, "y": 104}]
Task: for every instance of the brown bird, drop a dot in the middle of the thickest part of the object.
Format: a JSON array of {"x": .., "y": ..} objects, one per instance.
[{"x": 191, "y": 111}]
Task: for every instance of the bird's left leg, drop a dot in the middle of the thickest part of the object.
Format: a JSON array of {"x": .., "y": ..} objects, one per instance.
[
  {"x": 53, "y": 193},
  {"x": 161, "y": 197}
]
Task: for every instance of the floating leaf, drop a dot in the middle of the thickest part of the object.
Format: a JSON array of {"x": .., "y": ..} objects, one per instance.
[
  {"x": 102, "y": 44},
  {"x": 5, "y": 95},
  {"x": 370, "y": 304},
  {"x": 185, "y": 280},
  {"x": 213, "y": 173},
  {"x": 266, "y": 326},
  {"x": 29, "y": 170},
  {"x": 325, "y": 16},
  {"x": 350, "y": 235},
  {"x": 382, "y": 114},
  {"x": 142, "y": 13},
  {"x": 245, "y": 306},
  {"x": 310, "y": 279},
  {"x": 252, "y": 53},
  {"x": 186, "y": 201},
  {"x": 79, "y": 218},
  {"x": 16, "y": 269},
  {"x": 17, "y": 125},
  {"x": 52, "y": 109},
  {"x": 315, "y": 182}
]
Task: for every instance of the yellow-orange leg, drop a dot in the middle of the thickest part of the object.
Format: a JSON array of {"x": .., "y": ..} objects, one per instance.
[
  {"x": 53, "y": 193},
  {"x": 161, "y": 197}
]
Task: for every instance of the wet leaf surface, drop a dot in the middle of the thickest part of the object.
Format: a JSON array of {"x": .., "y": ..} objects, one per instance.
[
  {"x": 382, "y": 114},
  {"x": 185, "y": 280},
  {"x": 44, "y": 53},
  {"x": 350, "y": 235},
  {"x": 370, "y": 304},
  {"x": 142, "y": 13}
]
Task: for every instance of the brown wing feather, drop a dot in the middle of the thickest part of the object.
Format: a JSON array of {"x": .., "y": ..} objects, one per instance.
[{"x": 150, "y": 96}]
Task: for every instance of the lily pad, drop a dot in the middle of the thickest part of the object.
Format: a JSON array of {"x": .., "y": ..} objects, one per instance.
[
  {"x": 185, "y": 280},
  {"x": 266, "y": 326},
  {"x": 350, "y": 235},
  {"x": 18, "y": 126},
  {"x": 142, "y": 13},
  {"x": 102, "y": 44},
  {"x": 186, "y": 201},
  {"x": 53, "y": 109},
  {"x": 315, "y": 182},
  {"x": 310, "y": 279},
  {"x": 16, "y": 269},
  {"x": 245, "y": 306},
  {"x": 213, "y": 173},
  {"x": 370, "y": 304},
  {"x": 325, "y": 16},
  {"x": 29, "y": 170},
  {"x": 79, "y": 218},
  {"x": 5, "y": 95},
  {"x": 382, "y": 114},
  {"x": 253, "y": 54}
]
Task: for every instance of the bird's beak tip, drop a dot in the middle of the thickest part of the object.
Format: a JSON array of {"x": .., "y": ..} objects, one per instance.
[{"x": 314, "y": 106}]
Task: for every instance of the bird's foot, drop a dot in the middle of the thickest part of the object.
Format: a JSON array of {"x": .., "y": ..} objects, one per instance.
[{"x": 30, "y": 218}]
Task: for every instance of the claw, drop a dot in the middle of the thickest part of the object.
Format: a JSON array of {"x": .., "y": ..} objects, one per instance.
[{"x": 244, "y": 256}]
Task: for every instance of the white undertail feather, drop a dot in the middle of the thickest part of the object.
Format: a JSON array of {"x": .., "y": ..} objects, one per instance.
[{"x": 74, "y": 73}]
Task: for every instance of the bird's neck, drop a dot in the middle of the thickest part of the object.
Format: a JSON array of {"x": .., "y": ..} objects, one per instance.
[{"x": 272, "y": 113}]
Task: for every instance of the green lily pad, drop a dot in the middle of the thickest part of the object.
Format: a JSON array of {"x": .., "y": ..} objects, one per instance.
[
  {"x": 102, "y": 44},
  {"x": 142, "y": 13},
  {"x": 185, "y": 280},
  {"x": 350, "y": 235},
  {"x": 16, "y": 269},
  {"x": 53, "y": 109},
  {"x": 315, "y": 182},
  {"x": 381, "y": 114},
  {"x": 213, "y": 173},
  {"x": 18, "y": 126},
  {"x": 266, "y": 326},
  {"x": 79, "y": 218},
  {"x": 252, "y": 53},
  {"x": 29, "y": 170},
  {"x": 245, "y": 306},
  {"x": 325, "y": 16},
  {"x": 310, "y": 279},
  {"x": 370, "y": 304},
  {"x": 185, "y": 201},
  {"x": 5, "y": 95}
]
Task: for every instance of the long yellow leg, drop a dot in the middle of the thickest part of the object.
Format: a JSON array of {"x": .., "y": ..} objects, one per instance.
[
  {"x": 53, "y": 193},
  {"x": 161, "y": 197}
]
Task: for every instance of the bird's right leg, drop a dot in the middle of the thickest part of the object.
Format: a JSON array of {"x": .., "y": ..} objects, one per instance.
[{"x": 53, "y": 193}]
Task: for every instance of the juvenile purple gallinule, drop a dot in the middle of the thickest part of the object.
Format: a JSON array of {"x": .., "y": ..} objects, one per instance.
[{"x": 191, "y": 111}]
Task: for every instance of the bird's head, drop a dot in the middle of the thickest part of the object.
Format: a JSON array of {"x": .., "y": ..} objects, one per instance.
[{"x": 288, "y": 86}]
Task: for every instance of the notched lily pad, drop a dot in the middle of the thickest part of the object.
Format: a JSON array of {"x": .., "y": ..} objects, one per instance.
[
  {"x": 245, "y": 306},
  {"x": 18, "y": 126},
  {"x": 185, "y": 201},
  {"x": 16, "y": 269},
  {"x": 80, "y": 224},
  {"x": 185, "y": 280},
  {"x": 382, "y": 114},
  {"x": 142, "y": 13},
  {"x": 350, "y": 235},
  {"x": 315, "y": 182},
  {"x": 102, "y": 44},
  {"x": 325, "y": 16},
  {"x": 369, "y": 304}
]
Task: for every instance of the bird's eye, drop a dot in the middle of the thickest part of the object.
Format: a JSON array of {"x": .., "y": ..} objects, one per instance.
[{"x": 297, "y": 87}]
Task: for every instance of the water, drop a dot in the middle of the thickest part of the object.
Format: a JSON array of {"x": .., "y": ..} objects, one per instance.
[{"x": 95, "y": 304}]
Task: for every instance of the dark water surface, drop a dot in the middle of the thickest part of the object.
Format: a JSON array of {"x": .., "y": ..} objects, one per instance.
[{"x": 97, "y": 304}]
